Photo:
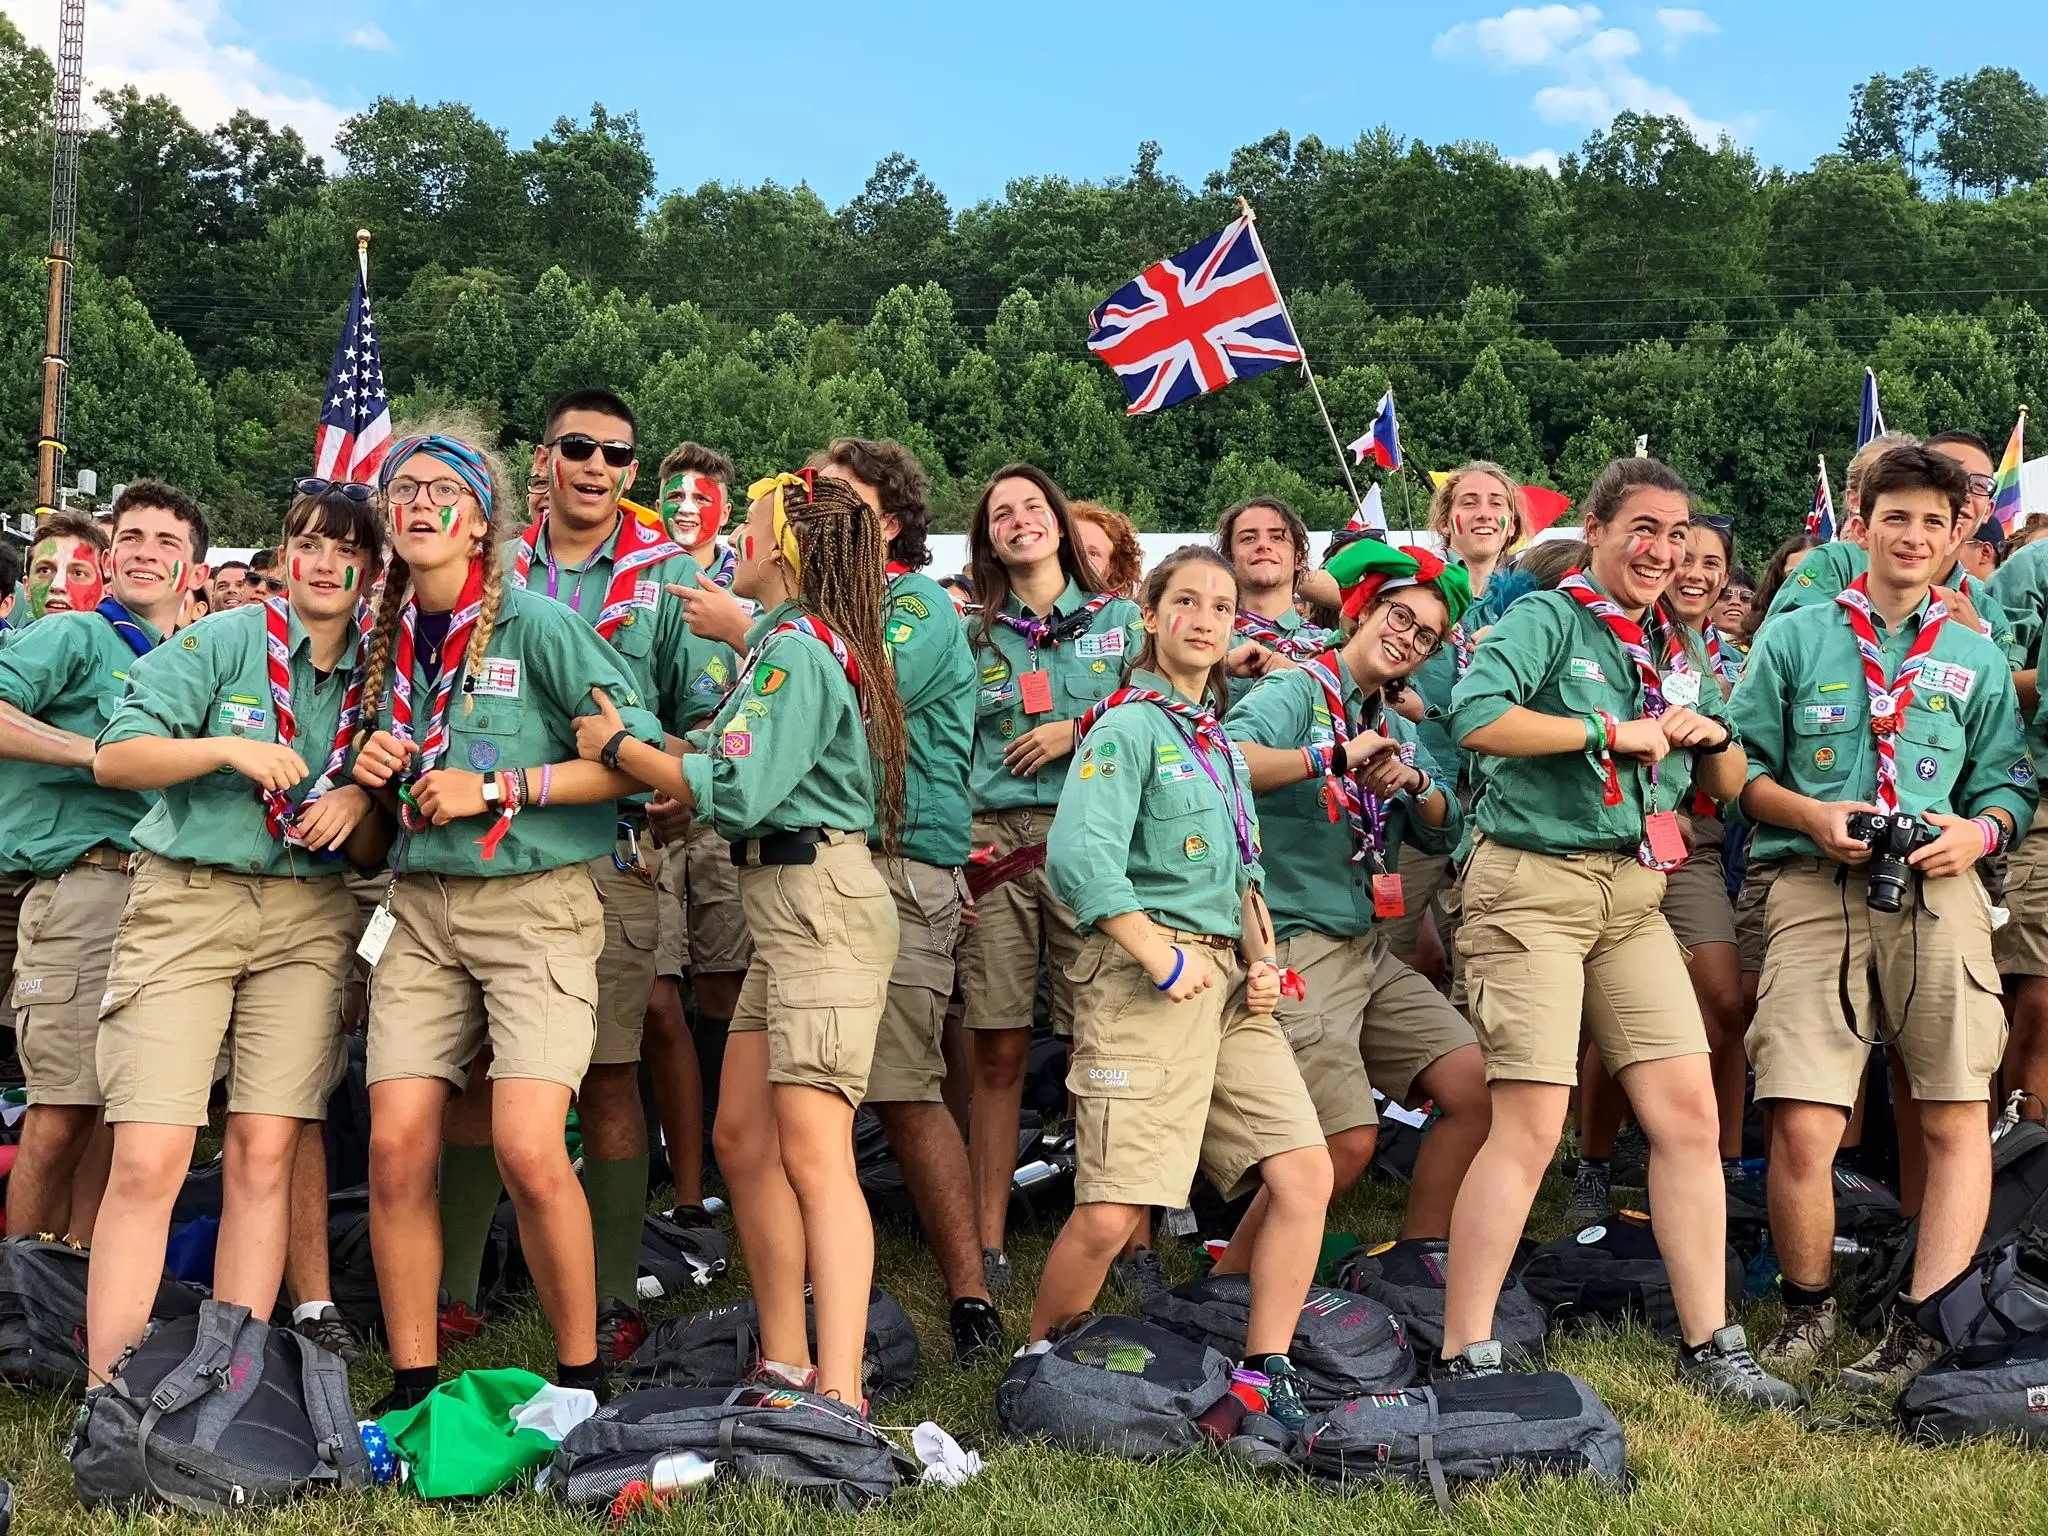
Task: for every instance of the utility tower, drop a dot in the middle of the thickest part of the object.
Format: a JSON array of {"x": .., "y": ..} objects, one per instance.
[{"x": 63, "y": 232}]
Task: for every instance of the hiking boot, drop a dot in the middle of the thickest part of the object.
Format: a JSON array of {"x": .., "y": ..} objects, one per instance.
[
  {"x": 1630, "y": 1164},
  {"x": 773, "y": 1373},
  {"x": 977, "y": 1331},
  {"x": 331, "y": 1331},
  {"x": 1481, "y": 1359},
  {"x": 1283, "y": 1394},
  {"x": 1904, "y": 1352},
  {"x": 1591, "y": 1201},
  {"x": 1724, "y": 1367},
  {"x": 1260, "y": 1441},
  {"x": 458, "y": 1323},
  {"x": 1141, "y": 1275},
  {"x": 995, "y": 1271},
  {"x": 1804, "y": 1335},
  {"x": 620, "y": 1331}
]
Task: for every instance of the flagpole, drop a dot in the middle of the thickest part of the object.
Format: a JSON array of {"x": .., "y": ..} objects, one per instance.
[
  {"x": 1252, "y": 223},
  {"x": 1407, "y": 506},
  {"x": 363, "y": 255}
]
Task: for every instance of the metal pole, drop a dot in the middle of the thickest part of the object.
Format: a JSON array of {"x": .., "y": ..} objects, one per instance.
[
  {"x": 1407, "y": 506},
  {"x": 1252, "y": 222},
  {"x": 63, "y": 233}
]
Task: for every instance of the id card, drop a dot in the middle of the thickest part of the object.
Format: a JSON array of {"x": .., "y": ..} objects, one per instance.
[
  {"x": 1387, "y": 898},
  {"x": 376, "y": 935},
  {"x": 1682, "y": 689},
  {"x": 1667, "y": 843},
  {"x": 1036, "y": 689}
]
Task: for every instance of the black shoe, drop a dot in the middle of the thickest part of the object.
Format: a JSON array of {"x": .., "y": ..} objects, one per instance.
[
  {"x": 620, "y": 1331},
  {"x": 333, "y": 1333},
  {"x": 977, "y": 1331},
  {"x": 1262, "y": 1441},
  {"x": 1141, "y": 1275},
  {"x": 1283, "y": 1396}
]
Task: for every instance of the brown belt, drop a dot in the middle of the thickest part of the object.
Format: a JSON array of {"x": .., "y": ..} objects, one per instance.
[
  {"x": 106, "y": 856},
  {"x": 1214, "y": 941}
]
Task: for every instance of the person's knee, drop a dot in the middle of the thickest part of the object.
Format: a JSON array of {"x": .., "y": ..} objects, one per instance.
[
  {"x": 1000, "y": 1056},
  {"x": 137, "y": 1177},
  {"x": 1951, "y": 1129},
  {"x": 746, "y": 1144},
  {"x": 1457, "y": 1085},
  {"x": 1804, "y": 1138},
  {"x": 1299, "y": 1182},
  {"x": 1350, "y": 1151},
  {"x": 1099, "y": 1231},
  {"x": 535, "y": 1168},
  {"x": 60, "y": 1131}
]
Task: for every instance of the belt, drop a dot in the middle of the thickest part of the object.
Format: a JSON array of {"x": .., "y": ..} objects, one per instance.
[
  {"x": 1214, "y": 941},
  {"x": 798, "y": 847},
  {"x": 983, "y": 877},
  {"x": 106, "y": 856}
]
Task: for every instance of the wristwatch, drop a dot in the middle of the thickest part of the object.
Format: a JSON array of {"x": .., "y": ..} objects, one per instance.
[
  {"x": 609, "y": 756},
  {"x": 494, "y": 793}
]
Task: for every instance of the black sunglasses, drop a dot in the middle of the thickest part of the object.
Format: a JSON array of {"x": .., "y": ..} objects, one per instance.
[
  {"x": 579, "y": 446},
  {"x": 313, "y": 485},
  {"x": 1708, "y": 520}
]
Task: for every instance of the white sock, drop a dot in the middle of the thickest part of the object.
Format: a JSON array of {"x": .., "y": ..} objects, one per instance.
[{"x": 306, "y": 1311}]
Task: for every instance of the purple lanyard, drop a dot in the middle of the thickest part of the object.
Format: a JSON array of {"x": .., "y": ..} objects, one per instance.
[{"x": 1232, "y": 797}]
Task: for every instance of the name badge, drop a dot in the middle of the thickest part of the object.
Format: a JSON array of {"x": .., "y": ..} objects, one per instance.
[
  {"x": 1109, "y": 643},
  {"x": 499, "y": 678},
  {"x": 1682, "y": 689}
]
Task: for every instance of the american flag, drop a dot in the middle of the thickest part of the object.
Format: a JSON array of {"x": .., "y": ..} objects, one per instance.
[
  {"x": 355, "y": 416},
  {"x": 1194, "y": 323}
]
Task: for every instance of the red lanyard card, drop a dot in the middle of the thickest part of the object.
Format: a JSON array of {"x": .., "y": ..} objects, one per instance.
[
  {"x": 1387, "y": 898},
  {"x": 1667, "y": 843},
  {"x": 1037, "y": 692}
]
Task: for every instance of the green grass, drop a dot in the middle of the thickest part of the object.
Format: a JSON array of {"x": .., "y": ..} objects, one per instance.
[{"x": 1696, "y": 1466}]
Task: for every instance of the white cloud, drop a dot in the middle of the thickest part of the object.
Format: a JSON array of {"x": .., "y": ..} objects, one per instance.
[
  {"x": 373, "y": 38},
  {"x": 1593, "y": 65},
  {"x": 184, "y": 49},
  {"x": 1544, "y": 160}
]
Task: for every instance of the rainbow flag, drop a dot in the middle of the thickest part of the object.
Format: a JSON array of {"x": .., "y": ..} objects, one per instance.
[{"x": 2005, "y": 493}]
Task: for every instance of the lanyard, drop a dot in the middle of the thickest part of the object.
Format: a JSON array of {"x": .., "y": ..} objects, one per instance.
[{"x": 1360, "y": 807}]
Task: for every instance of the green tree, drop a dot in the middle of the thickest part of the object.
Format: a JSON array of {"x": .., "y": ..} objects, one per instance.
[
  {"x": 476, "y": 356},
  {"x": 1994, "y": 131},
  {"x": 588, "y": 185}
]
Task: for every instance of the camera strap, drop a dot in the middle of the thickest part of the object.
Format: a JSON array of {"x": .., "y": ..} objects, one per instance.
[{"x": 1881, "y": 1041}]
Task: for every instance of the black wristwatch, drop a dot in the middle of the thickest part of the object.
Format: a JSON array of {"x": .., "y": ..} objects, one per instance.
[
  {"x": 610, "y": 755},
  {"x": 1727, "y": 740}
]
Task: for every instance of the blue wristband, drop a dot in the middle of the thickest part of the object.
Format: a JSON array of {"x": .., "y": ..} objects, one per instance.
[{"x": 1180, "y": 960}]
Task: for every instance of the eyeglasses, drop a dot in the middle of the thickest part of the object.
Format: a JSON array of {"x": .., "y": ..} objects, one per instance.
[
  {"x": 1402, "y": 621},
  {"x": 1982, "y": 485},
  {"x": 313, "y": 485},
  {"x": 577, "y": 447},
  {"x": 404, "y": 492}
]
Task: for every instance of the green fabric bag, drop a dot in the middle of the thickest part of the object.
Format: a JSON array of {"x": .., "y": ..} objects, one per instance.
[{"x": 461, "y": 1442}]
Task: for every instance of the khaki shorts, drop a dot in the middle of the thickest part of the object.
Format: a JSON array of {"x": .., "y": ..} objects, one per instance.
[
  {"x": 910, "y": 1060},
  {"x": 671, "y": 933},
  {"x": 1368, "y": 1022},
  {"x": 13, "y": 890},
  {"x": 206, "y": 956},
  {"x": 1423, "y": 876},
  {"x": 999, "y": 955},
  {"x": 714, "y": 940},
  {"x": 1953, "y": 1031},
  {"x": 511, "y": 959},
  {"x": 825, "y": 941},
  {"x": 1550, "y": 939},
  {"x": 1696, "y": 903},
  {"x": 2021, "y": 946},
  {"x": 626, "y": 969},
  {"x": 1750, "y": 902},
  {"x": 60, "y": 976}
]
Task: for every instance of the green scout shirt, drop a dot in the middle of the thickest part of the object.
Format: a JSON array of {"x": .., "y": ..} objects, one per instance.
[
  {"x": 1085, "y": 669},
  {"x": 214, "y": 680},
  {"x": 1312, "y": 881},
  {"x": 67, "y": 671},
  {"x": 1292, "y": 626},
  {"x": 2021, "y": 588},
  {"x": 1826, "y": 571},
  {"x": 1142, "y": 829},
  {"x": 788, "y": 751},
  {"x": 935, "y": 679},
  {"x": 1803, "y": 711},
  {"x": 540, "y": 666},
  {"x": 1550, "y": 654}
]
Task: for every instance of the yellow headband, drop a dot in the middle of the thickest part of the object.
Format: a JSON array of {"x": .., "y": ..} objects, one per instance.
[{"x": 778, "y": 486}]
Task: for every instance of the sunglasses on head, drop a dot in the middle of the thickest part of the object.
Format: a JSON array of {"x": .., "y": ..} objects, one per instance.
[
  {"x": 1709, "y": 520},
  {"x": 313, "y": 485},
  {"x": 577, "y": 447}
]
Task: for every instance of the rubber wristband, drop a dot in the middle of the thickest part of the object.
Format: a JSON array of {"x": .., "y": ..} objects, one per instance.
[
  {"x": 1594, "y": 735},
  {"x": 1180, "y": 961},
  {"x": 1991, "y": 830},
  {"x": 609, "y": 756},
  {"x": 547, "y": 781}
]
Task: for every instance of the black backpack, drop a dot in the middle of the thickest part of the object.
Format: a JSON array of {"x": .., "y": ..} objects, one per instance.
[
  {"x": 347, "y": 1128},
  {"x": 1611, "y": 1272},
  {"x": 809, "y": 1445},
  {"x": 1344, "y": 1345},
  {"x": 1117, "y": 1384},
  {"x": 682, "y": 1257},
  {"x": 217, "y": 1412},
  {"x": 42, "y": 1313},
  {"x": 1407, "y": 1278},
  {"x": 352, "y": 1269},
  {"x": 719, "y": 1347},
  {"x": 1468, "y": 1431}
]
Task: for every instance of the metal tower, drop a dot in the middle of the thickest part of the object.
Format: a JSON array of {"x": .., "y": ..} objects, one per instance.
[{"x": 63, "y": 232}]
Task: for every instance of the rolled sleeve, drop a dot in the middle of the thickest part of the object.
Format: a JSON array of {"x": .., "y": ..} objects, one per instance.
[
  {"x": 43, "y": 662},
  {"x": 1508, "y": 667},
  {"x": 1088, "y": 852}
]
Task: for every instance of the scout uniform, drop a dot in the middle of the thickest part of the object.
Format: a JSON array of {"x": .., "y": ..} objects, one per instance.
[
  {"x": 1806, "y": 714},
  {"x": 505, "y": 945},
  {"x": 785, "y": 775},
  {"x": 621, "y": 591},
  {"x": 1696, "y": 901},
  {"x": 935, "y": 679},
  {"x": 1158, "y": 819},
  {"x": 76, "y": 839},
  {"x": 1564, "y": 887},
  {"x": 1367, "y": 1020},
  {"x": 228, "y": 929},
  {"x": 1026, "y": 683},
  {"x": 1827, "y": 570},
  {"x": 1290, "y": 635},
  {"x": 2021, "y": 946},
  {"x": 2020, "y": 586}
]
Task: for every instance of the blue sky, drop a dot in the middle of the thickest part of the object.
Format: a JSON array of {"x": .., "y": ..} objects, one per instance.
[{"x": 979, "y": 93}]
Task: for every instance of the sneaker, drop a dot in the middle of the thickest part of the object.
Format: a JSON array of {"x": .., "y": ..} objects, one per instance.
[
  {"x": 1804, "y": 1335},
  {"x": 977, "y": 1330},
  {"x": 332, "y": 1332},
  {"x": 620, "y": 1331},
  {"x": 995, "y": 1271},
  {"x": 1260, "y": 1441},
  {"x": 773, "y": 1373},
  {"x": 1724, "y": 1367},
  {"x": 1283, "y": 1395},
  {"x": 1904, "y": 1352},
  {"x": 693, "y": 1216},
  {"x": 458, "y": 1323},
  {"x": 1142, "y": 1275},
  {"x": 1631, "y": 1162},
  {"x": 1590, "y": 1198},
  {"x": 1481, "y": 1359}
]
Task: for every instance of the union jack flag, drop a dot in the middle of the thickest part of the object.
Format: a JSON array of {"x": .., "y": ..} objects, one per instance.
[
  {"x": 355, "y": 415},
  {"x": 1194, "y": 323}
]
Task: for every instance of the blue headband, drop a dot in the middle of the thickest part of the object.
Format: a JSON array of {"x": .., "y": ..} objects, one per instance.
[{"x": 458, "y": 456}]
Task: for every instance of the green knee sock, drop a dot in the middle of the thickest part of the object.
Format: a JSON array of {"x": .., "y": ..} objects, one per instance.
[
  {"x": 469, "y": 1202},
  {"x": 617, "y": 1191}
]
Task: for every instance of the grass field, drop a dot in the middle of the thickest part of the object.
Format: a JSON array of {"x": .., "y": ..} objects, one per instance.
[{"x": 1696, "y": 1466}]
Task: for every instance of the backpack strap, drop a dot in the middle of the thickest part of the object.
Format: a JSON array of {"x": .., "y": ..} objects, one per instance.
[
  {"x": 331, "y": 1414},
  {"x": 203, "y": 1370},
  {"x": 1425, "y": 1452}
]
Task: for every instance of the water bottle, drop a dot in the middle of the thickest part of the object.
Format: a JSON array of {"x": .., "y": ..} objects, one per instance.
[
  {"x": 679, "y": 1472},
  {"x": 1035, "y": 1172},
  {"x": 377, "y": 1446}
]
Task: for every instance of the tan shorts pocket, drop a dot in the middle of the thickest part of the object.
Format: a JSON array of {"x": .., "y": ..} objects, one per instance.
[
  {"x": 1115, "y": 1077},
  {"x": 1983, "y": 970},
  {"x": 577, "y": 978},
  {"x": 1088, "y": 963},
  {"x": 45, "y": 989},
  {"x": 824, "y": 989}
]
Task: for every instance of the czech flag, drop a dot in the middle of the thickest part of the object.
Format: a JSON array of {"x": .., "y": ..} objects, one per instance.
[
  {"x": 2005, "y": 494},
  {"x": 1382, "y": 439}
]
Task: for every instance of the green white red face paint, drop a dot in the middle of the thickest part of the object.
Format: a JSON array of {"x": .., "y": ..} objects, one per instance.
[
  {"x": 64, "y": 577},
  {"x": 448, "y": 524},
  {"x": 695, "y": 506},
  {"x": 348, "y": 578}
]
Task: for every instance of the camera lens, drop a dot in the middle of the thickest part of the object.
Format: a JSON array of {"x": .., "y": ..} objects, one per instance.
[{"x": 1888, "y": 877}]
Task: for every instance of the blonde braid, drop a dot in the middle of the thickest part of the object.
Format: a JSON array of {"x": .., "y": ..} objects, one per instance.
[
  {"x": 486, "y": 617},
  {"x": 397, "y": 583}
]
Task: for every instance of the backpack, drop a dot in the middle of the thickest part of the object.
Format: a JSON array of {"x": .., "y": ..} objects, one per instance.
[
  {"x": 352, "y": 1269},
  {"x": 42, "y": 1313},
  {"x": 680, "y": 1258},
  {"x": 807, "y": 1444},
  {"x": 1995, "y": 1305},
  {"x": 1610, "y": 1272},
  {"x": 2005, "y": 1397},
  {"x": 718, "y": 1347},
  {"x": 1394, "y": 1152},
  {"x": 1118, "y": 1384},
  {"x": 347, "y": 1128},
  {"x": 1344, "y": 1345},
  {"x": 1468, "y": 1431},
  {"x": 217, "y": 1412},
  {"x": 1865, "y": 1210},
  {"x": 1407, "y": 1278}
]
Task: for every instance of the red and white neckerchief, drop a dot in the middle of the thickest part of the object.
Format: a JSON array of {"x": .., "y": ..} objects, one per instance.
[
  {"x": 1629, "y": 635},
  {"x": 1302, "y": 642},
  {"x": 895, "y": 568},
  {"x": 278, "y": 811},
  {"x": 1888, "y": 704},
  {"x": 453, "y": 649},
  {"x": 1359, "y": 807},
  {"x": 1725, "y": 666},
  {"x": 827, "y": 636},
  {"x": 635, "y": 546}
]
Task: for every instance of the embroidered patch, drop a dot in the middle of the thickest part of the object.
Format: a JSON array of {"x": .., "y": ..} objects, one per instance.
[
  {"x": 995, "y": 672},
  {"x": 190, "y": 642},
  {"x": 29, "y": 986},
  {"x": 1098, "y": 666},
  {"x": 1237, "y": 759},
  {"x": 1834, "y": 687},
  {"x": 2022, "y": 772},
  {"x": 1586, "y": 670},
  {"x": 1804, "y": 579},
  {"x": 1109, "y": 643},
  {"x": 1174, "y": 773},
  {"x": 2037, "y": 1399},
  {"x": 1938, "y": 703},
  {"x": 1109, "y": 1077},
  {"x": 1948, "y": 677},
  {"x": 1087, "y": 770},
  {"x": 1813, "y": 715},
  {"x": 754, "y": 709},
  {"x": 1927, "y": 768},
  {"x": 500, "y": 678},
  {"x": 483, "y": 755},
  {"x": 1108, "y": 749},
  {"x": 1823, "y": 757},
  {"x": 1195, "y": 846},
  {"x": 240, "y": 718},
  {"x": 1008, "y": 727},
  {"x": 1000, "y": 695},
  {"x": 916, "y": 607},
  {"x": 735, "y": 744},
  {"x": 900, "y": 633},
  {"x": 646, "y": 594},
  {"x": 767, "y": 679},
  {"x": 1109, "y": 770}
]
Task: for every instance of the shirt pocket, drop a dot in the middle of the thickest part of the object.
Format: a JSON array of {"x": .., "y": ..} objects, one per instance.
[
  {"x": 1582, "y": 698},
  {"x": 1930, "y": 749},
  {"x": 490, "y": 733},
  {"x": 1175, "y": 834},
  {"x": 1823, "y": 738},
  {"x": 1082, "y": 679}
]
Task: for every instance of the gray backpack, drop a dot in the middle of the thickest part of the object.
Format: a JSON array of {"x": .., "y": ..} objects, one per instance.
[
  {"x": 1466, "y": 1432},
  {"x": 42, "y": 1312},
  {"x": 718, "y": 1347},
  {"x": 809, "y": 1445},
  {"x": 1118, "y": 1384},
  {"x": 1407, "y": 1278},
  {"x": 217, "y": 1412},
  {"x": 1611, "y": 1272},
  {"x": 1344, "y": 1345},
  {"x": 2005, "y": 1397}
]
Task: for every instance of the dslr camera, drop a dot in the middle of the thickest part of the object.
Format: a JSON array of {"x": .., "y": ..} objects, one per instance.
[{"x": 1891, "y": 839}]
